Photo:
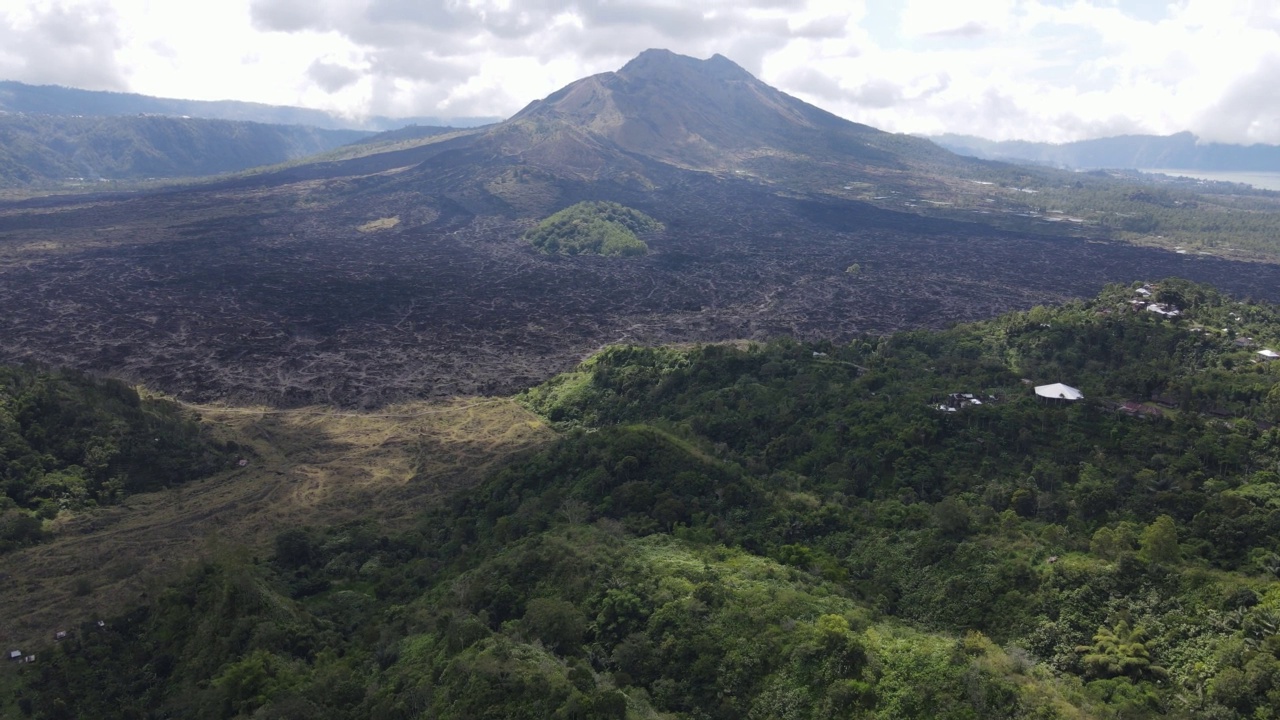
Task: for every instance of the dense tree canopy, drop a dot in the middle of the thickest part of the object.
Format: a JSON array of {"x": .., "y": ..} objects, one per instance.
[
  {"x": 69, "y": 441},
  {"x": 594, "y": 228},
  {"x": 788, "y": 531}
]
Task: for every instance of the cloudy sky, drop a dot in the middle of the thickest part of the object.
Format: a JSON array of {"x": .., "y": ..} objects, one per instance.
[{"x": 1053, "y": 70}]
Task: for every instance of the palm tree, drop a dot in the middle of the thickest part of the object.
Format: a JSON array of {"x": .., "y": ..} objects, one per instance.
[{"x": 1120, "y": 651}]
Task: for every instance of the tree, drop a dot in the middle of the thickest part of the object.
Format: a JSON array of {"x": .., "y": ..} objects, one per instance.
[
  {"x": 250, "y": 683},
  {"x": 1023, "y": 502},
  {"x": 294, "y": 548},
  {"x": 558, "y": 624},
  {"x": 1159, "y": 542},
  {"x": 1119, "y": 652},
  {"x": 1103, "y": 544},
  {"x": 952, "y": 517},
  {"x": 1171, "y": 296}
]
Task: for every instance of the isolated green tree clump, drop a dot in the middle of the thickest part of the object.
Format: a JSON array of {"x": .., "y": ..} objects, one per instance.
[
  {"x": 1159, "y": 543},
  {"x": 1120, "y": 652},
  {"x": 594, "y": 228}
]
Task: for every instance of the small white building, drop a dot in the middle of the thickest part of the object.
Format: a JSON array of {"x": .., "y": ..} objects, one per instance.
[
  {"x": 1165, "y": 310},
  {"x": 1058, "y": 391},
  {"x": 1269, "y": 354}
]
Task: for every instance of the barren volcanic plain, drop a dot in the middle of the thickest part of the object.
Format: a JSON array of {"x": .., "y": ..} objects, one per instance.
[{"x": 402, "y": 274}]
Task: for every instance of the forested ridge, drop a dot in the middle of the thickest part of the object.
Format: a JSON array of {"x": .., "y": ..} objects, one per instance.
[
  {"x": 786, "y": 530},
  {"x": 70, "y": 442}
]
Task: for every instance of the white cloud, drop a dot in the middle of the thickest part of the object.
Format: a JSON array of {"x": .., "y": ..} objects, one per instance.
[
  {"x": 62, "y": 43},
  {"x": 1050, "y": 71},
  {"x": 939, "y": 18},
  {"x": 1249, "y": 111},
  {"x": 1036, "y": 69},
  {"x": 332, "y": 77}
]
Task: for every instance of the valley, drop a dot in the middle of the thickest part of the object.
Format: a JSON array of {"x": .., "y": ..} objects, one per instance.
[
  {"x": 307, "y": 466},
  {"x": 274, "y": 295},
  {"x": 396, "y": 270},
  {"x": 764, "y": 530},
  {"x": 386, "y": 457}
]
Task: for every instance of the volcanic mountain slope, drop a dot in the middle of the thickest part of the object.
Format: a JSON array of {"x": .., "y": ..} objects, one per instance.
[
  {"x": 401, "y": 272},
  {"x": 660, "y": 113},
  {"x": 708, "y": 115},
  {"x": 701, "y": 114}
]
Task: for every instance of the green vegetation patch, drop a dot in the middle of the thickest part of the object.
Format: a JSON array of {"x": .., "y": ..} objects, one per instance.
[
  {"x": 594, "y": 228},
  {"x": 786, "y": 530},
  {"x": 575, "y": 621},
  {"x": 69, "y": 441}
]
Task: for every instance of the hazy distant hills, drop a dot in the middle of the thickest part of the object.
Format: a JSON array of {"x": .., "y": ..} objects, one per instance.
[
  {"x": 16, "y": 97},
  {"x": 44, "y": 150},
  {"x": 1182, "y": 151},
  {"x": 54, "y": 136}
]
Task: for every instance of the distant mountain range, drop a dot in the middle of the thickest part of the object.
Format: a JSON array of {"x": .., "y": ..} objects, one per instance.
[
  {"x": 40, "y": 151},
  {"x": 53, "y": 137},
  {"x": 16, "y": 97},
  {"x": 1183, "y": 151}
]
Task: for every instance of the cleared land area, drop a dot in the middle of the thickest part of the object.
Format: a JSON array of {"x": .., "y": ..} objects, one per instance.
[{"x": 305, "y": 466}]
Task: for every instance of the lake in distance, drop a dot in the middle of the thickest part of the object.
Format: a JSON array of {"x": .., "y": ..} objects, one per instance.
[{"x": 1260, "y": 180}]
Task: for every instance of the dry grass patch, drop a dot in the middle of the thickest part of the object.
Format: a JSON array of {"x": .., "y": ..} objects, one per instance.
[
  {"x": 385, "y": 223},
  {"x": 308, "y": 466}
]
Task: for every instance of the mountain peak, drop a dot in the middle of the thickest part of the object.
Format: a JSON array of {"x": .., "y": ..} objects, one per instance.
[
  {"x": 656, "y": 63},
  {"x": 708, "y": 114}
]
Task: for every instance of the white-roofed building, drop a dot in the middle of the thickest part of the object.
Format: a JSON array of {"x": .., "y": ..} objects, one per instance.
[
  {"x": 1269, "y": 354},
  {"x": 1164, "y": 310},
  {"x": 1058, "y": 391}
]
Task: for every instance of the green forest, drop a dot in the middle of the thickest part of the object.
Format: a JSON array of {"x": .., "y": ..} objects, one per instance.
[
  {"x": 594, "y": 228},
  {"x": 1207, "y": 219},
  {"x": 70, "y": 442},
  {"x": 1129, "y": 206},
  {"x": 784, "y": 530}
]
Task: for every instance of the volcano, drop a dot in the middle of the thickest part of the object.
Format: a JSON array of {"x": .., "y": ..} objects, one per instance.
[
  {"x": 397, "y": 269},
  {"x": 704, "y": 115},
  {"x": 700, "y": 114}
]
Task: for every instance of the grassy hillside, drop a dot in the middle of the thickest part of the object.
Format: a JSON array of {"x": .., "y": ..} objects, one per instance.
[{"x": 787, "y": 530}]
